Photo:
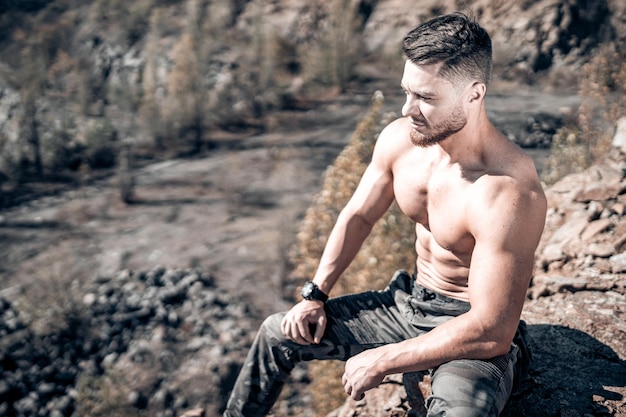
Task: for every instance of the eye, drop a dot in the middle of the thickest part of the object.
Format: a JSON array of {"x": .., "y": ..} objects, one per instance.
[{"x": 417, "y": 96}]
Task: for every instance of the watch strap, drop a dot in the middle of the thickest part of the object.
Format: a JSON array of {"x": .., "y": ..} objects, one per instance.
[{"x": 311, "y": 291}]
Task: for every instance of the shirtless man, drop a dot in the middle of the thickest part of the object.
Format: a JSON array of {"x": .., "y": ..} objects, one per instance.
[{"x": 479, "y": 211}]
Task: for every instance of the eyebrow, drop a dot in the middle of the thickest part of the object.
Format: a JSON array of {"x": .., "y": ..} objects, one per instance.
[{"x": 421, "y": 93}]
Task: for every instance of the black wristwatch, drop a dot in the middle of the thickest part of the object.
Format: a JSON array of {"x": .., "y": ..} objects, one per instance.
[{"x": 310, "y": 291}]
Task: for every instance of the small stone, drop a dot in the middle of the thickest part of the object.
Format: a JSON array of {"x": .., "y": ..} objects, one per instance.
[
  {"x": 618, "y": 208},
  {"x": 89, "y": 299},
  {"x": 599, "y": 192},
  {"x": 568, "y": 412},
  {"x": 600, "y": 250},
  {"x": 569, "y": 231},
  {"x": 618, "y": 263},
  {"x": 619, "y": 139},
  {"x": 196, "y": 412},
  {"x": 553, "y": 253},
  {"x": 595, "y": 228}
]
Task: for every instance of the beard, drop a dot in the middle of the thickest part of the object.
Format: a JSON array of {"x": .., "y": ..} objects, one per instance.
[{"x": 455, "y": 122}]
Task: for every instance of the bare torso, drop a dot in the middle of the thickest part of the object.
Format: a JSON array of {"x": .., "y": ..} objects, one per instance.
[{"x": 436, "y": 195}]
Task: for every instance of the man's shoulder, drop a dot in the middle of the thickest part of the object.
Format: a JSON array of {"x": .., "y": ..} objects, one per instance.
[
  {"x": 507, "y": 185},
  {"x": 396, "y": 131},
  {"x": 509, "y": 169},
  {"x": 393, "y": 141},
  {"x": 513, "y": 193}
]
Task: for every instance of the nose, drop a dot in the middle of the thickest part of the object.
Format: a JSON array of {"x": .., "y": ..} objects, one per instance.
[{"x": 410, "y": 107}]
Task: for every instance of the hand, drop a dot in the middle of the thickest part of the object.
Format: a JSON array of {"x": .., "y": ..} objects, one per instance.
[
  {"x": 298, "y": 323},
  {"x": 360, "y": 376}
]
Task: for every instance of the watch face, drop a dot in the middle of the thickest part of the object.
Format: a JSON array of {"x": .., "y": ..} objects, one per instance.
[{"x": 307, "y": 290}]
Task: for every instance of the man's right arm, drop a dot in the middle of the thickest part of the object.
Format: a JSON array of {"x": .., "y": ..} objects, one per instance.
[
  {"x": 370, "y": 201},
  {"x": 367, "y": 205}
]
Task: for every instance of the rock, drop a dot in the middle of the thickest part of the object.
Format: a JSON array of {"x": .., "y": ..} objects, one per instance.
[
  {"x": 600, "y": 192},
  {"x": 89, "y": 299},
  {"x": 594, "y": 228},
  {"x": 619, "y": 208},
  {"x": 553, "y": 253},
  {"x": 388, "y": 399},
  {"x": 619, "y": 139},
  {"x": 618, "y": 263},
  {"x": 197, "y": 412},
  {"x": 600, "y": 250}
]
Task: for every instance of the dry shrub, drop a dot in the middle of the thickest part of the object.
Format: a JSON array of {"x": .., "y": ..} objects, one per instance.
[
  {"x": 100, "y": 146},
  {"x": 389, "y": 246},
  {"x": 51, "y": 302},
  {"x": 602, "y": 91},
  {"x": 331, "y": 59},
  {"x": 104, "y": 396}
]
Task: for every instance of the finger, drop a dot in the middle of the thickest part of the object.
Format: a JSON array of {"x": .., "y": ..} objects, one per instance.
[
  {"x": 288, "y": 331},
  {"x": 319, "y": 330},
  {"x": 356, "y": 394},
  {"x": 304, "y": 332},
  {"x": 294, "y": 334},
  {"x": 285, "y": 327}
]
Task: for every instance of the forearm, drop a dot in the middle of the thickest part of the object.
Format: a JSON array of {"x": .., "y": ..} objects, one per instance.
[
  {"x": 343, "y": 244},
  {"x": 463, "y": 337}
]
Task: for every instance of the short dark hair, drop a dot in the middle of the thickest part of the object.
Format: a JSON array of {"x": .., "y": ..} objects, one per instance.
[{"x": 455, "y": 40}]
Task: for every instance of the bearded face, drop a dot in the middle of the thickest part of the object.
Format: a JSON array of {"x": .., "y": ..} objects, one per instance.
[
  {"x": 424, "y": 134},
  {"x": 433, "y": 105}
]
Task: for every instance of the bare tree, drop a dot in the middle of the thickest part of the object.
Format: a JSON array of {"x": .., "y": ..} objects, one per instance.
[
  {"x": 31, "y": 82},
  {"x": 187, "y": 84}
]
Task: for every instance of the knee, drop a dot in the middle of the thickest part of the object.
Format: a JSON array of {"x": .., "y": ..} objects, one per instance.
[
  {"x": 452, "y": 399},
  {"x": 461, "y": 389},
  {"x": 271, "y": 329},
  {"x": 272, "y": 342}
]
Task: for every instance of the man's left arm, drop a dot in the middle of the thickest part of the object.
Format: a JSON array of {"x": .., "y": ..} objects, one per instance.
[{"x": 506, "y": 226}]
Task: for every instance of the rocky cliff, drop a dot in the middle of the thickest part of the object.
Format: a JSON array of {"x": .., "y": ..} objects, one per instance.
[{"x": 78, "y": 76}]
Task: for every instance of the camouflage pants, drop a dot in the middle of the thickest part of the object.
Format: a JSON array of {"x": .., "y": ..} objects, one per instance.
[{"x": 363, "y": 321}]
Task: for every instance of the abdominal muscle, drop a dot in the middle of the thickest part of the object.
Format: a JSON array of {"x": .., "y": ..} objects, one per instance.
[{"x": 439, "y": 269}]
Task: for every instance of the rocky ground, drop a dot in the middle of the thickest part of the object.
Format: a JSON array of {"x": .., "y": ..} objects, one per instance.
[
  {"x": 190, "y": 269},
  {"x": 156, "y": 342}
]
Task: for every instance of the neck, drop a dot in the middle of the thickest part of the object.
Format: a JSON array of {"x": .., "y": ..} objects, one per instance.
[{"x": 467, "y": 146}]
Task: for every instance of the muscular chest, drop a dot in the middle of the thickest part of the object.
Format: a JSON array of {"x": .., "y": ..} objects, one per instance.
[{"x": 437, "y": 202}]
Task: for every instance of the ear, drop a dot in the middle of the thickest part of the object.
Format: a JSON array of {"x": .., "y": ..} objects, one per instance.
[{"x": 476, "y": 93}]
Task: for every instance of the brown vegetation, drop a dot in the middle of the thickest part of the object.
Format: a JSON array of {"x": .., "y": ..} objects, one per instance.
[{"x": 586, "y": 139}]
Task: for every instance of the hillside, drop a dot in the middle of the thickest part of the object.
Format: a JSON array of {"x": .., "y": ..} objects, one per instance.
[
  {"x": 160, "y": 161},
  {"x": 87, "y": 84}
]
